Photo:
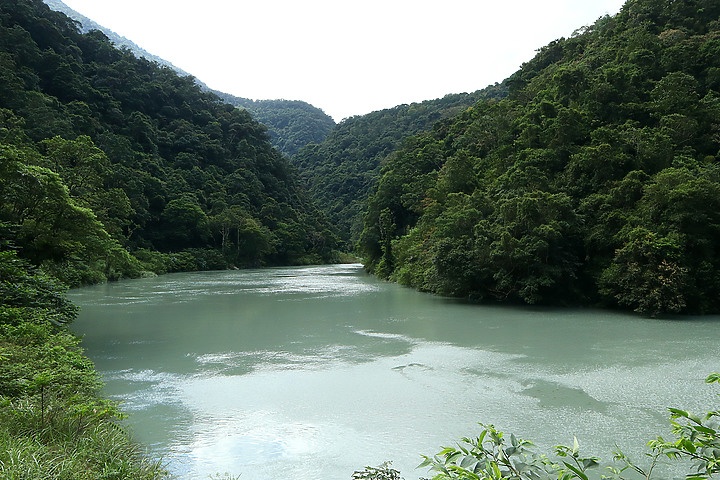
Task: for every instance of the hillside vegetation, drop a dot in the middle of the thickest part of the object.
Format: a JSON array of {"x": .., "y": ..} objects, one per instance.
[
  {"x": 340, "y": 172},
  {"x": 86, "y": 25},
  {"x": 595, "y": 181},
  {"x": 53, "y": 423},
  {"x": 113, "y": 165},
  {"x": 292, "y": 124}
]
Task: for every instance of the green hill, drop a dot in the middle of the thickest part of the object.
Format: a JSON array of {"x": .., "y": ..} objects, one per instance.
[
  {"x": 103, "y": 154},
  {"x": 595, "y": 181},
  {"x": 341, "y": 171},
  {"x": 292, "y": 124}
]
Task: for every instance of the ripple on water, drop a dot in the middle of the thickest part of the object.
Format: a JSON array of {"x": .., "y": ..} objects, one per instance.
[{"x": 273, "y": 360}]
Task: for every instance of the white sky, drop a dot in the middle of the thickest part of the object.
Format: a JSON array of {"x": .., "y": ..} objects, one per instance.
[{"x": 345, "y": 56}]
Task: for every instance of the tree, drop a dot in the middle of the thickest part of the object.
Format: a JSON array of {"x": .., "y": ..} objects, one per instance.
[
  {"x": 49, "y": 225},
  {"x": 645, "y": 273},
  {"x": 184, "y": 224}
]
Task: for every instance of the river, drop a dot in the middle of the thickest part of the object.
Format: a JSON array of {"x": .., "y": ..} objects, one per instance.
[{"x": 315, "y": 372}]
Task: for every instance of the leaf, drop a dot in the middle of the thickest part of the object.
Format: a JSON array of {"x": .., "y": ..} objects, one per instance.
[
  {"x": 576, "y": 447},
  {"x": 467, "y": 461},
  {"x": 496, "y": 470},
  {"x": 577, "y": 472},
  {"x": 425, "y": 462},
  {"x": 676, "y": 412},
  {"x": 450, "y": 458},
  {"x": 712, "y": 378},
  {"x": 695, "y": 419},
  {"x": 688, "y": 445},
  {"x": 706, "y": 430}
]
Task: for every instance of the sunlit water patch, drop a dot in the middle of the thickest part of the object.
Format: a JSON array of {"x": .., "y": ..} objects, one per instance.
[{"x": 315, "y": 372}]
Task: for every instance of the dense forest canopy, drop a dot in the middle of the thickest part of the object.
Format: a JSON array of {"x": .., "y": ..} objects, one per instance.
[
  {"x": 292, "y": 124},
  {"x": 595, "y": 181},
  {"x": 340, "y": 172},
  {"x": 103, "y": 154}
]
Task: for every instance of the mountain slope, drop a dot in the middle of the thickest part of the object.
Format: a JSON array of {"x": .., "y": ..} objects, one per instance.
[
  {"x": 119, "y": 41},
  {"x": 127, "y": 155},
  {"x": 596, "y": 180},
  {"x": 341, "y": 171},
  {"x": 291, "y": 124}
]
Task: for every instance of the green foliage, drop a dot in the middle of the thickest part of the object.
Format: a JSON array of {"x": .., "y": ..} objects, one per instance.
[
  {"x": 104, "y": 154},
  {"x": 27, "y": 291},
  {"x": 645, "y": 274},
  {"x": 697, "y": 438},
  {"x": 101, "y": 451},
  {"x": 53, "y": 424},
  {"x": 292, "y": 124},
  {"x": 595, "y": 181},
  {"x": 340, "y": 172},
  {"x": 381, "y": 472},
  {"x": 492, "y": 456}
]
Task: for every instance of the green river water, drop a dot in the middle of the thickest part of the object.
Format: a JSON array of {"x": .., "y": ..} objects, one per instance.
[{"x": 311, "y": 373}]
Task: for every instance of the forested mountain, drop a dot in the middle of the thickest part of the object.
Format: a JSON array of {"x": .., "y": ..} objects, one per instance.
[
  {"x": 102, "y": 154},
  {"x": 292, "y": 124},
  {"x": 341, "y": 171},
  {"x": 596, "y": 180}
]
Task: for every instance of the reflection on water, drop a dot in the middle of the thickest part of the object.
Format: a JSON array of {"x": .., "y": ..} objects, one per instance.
[{"x": 315, "y": 372}]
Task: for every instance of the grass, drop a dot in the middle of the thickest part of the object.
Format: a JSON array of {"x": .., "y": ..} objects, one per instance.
[{"x": 56, "y": 449}]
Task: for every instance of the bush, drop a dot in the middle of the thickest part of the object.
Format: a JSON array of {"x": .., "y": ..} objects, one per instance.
[
  {"x": 53, "y": 423},
  {"x": 492, "y": 456}
]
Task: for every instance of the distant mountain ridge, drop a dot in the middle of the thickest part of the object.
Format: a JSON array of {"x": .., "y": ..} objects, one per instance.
[{"x": 291, "y": 124}]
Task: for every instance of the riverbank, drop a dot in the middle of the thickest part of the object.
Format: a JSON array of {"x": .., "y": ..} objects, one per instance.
[{"x": 54, "y": 424}]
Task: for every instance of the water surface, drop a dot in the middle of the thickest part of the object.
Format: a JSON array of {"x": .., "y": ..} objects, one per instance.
[{"x": 312, "y": 373}]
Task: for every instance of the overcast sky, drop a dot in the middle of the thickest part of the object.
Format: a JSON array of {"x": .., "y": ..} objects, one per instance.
[{"x": 347, "y": 57}]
